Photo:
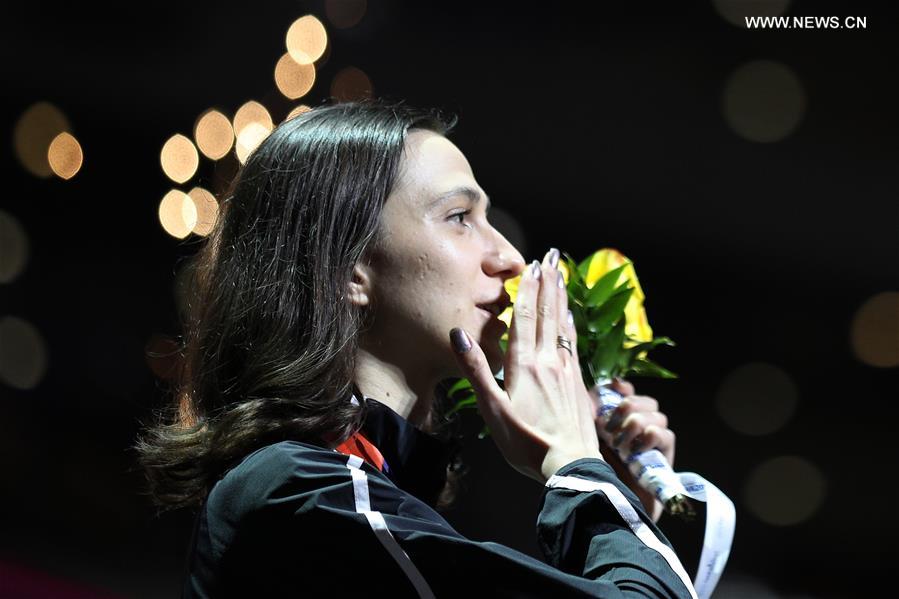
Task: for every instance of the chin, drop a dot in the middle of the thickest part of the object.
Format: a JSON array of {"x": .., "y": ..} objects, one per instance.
[{"x": 488, "y": 341}]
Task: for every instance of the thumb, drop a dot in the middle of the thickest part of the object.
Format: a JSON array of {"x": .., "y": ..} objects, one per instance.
[{"x": 492, "y": 400}]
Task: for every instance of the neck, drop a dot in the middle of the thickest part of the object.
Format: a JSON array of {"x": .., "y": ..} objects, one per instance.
[{"x": 382, "y": 378}]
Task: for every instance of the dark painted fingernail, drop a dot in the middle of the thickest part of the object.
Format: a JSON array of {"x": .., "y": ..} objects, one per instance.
[
  {"x": 460, "y": 341},
  {"x": 637, "y": 445},
  {"x": 570, "y": 319},
  {"x": 561, "y": 279},
  {"x": 535, "y": 269}
]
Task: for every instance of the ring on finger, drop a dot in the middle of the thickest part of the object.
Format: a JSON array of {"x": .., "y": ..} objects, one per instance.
[{"x": 564, "y": 343}]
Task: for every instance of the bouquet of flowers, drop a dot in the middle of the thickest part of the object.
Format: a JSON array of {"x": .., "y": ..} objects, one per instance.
[
  {"x": 613, "y": 332},
  {"x": 613, "y": 340}
]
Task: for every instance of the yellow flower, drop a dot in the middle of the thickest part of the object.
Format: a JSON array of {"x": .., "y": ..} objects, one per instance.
[
  {"x": 512, "y": 289},
  {"x": 636, "y": 324}
]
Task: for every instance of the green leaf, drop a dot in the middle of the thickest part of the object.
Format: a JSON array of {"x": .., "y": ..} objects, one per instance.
[
  {"x": 603, "y": 317},
  {"x": 588, "y": 373},
  {"x": 461, "y": 384},
  {"x": 607, "y": 354},
  {"x": 583, "y": 345},
  {"x": 648, "y": 345},
  {"x": 604, "y": 287},
  {"x": 574, "y": 275},
  {"x": 647, "y": 368},
  {"x": 580, "y": 318},
  {"x": 471, "y": 400},
  {"x": 577, "y": 289}
]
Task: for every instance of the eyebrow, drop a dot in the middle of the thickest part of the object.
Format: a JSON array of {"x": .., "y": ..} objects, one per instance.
[{"x": 473, "y": 194}]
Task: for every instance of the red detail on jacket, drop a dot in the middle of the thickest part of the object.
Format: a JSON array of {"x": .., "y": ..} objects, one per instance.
[{"x": 358, "y": 445}]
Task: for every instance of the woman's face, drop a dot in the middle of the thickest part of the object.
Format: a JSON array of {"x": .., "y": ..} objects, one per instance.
[{"x": 440, "y": 258}]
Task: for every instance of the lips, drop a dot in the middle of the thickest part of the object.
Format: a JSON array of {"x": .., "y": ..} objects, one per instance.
[
  {"x": 498, "y": 304},
  {"x": 492, "y": 309}
]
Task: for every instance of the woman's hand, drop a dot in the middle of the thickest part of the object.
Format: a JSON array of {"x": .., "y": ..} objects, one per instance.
[
  {"x": 541, "y": 421},
  {"x": 637, "y": 425}
]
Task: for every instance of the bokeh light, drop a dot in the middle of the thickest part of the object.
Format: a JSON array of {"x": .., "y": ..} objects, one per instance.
[
  {"x": 351, "y": 83},
  {"x": 177, "y": 214},
  {"x": 207, "y": 210},
  {"x": 874, "y": 333},
  {"x": 23, "y": 353},
  {"x": 13, "y": 247},
  {"x": 785, "y": 490},
  {"x": 179, "y": 158},
  {"x": 736, "y": 11},
  {"x": 34, "y": 132},
  {"x": 763, "y": 101},
  {"x": 65, "y": 155},
  {"x": 306, "y": 40},
  {"x": 249, "y": 139},
  {"x": 214, "y": 134},
  {"x": 297, "y": 111},
  {"x": 757, "y": 399},
  {"x": 249, "y": 113},
  {"x": 345, "y": 13},
  {"x": 294, "y": 79}
]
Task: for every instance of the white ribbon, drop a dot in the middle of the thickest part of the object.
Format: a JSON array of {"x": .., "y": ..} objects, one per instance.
[{"x": 655, "y": 474}]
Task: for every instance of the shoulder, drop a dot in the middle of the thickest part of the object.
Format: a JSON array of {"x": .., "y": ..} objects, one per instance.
[
  {"x": 279, "y": 470},
  {"x": 286, "y": 456},
  {"x": 297, "y": 484}
]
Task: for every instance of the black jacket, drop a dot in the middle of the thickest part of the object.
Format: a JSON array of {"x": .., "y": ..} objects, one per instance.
[{"x": 297, "y": 519}]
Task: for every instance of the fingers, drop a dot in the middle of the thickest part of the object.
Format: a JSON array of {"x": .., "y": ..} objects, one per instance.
[
  {"x": 635, "y": 425},
  {"x": 654, "y": 437},
  {"x": 628, "y": 406},
  {"x": 536, "y": 318},
  {"x": 651, "y": 437},
  {"x": 523, "y": 327},
  {"x": 623, "y": 387},
  {"x": 548, "y": 304},
  {"x": 562, "y": 325},
  {"x": 492, "y": 400}
]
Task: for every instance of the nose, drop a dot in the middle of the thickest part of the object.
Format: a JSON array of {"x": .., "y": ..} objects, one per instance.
[{"x": 504, "y": 259}]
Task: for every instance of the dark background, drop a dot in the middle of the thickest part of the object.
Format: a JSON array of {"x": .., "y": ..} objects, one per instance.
[{"x": 592, "y": 127}]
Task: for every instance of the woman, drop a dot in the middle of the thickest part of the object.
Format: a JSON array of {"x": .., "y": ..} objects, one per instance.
[{"x": 353, "y": 270}]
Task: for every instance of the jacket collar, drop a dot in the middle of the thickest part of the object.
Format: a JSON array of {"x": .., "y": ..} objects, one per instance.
[{"x": 414, "y": 460}]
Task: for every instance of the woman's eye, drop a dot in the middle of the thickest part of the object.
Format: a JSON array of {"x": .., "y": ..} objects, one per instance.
[{"x": 461, "y": 216}]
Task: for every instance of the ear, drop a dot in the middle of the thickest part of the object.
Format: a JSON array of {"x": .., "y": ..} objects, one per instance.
[{"x": 359, "y": 291}]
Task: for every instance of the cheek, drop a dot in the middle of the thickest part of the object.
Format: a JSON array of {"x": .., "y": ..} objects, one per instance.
[
  {"x": 444, "y": 292},
  {"x": 433, "y": 279},
  {"x": 418, "y": 284},
  {"x": 424, "y": 270},
  {"x": 432, "y": 269}
]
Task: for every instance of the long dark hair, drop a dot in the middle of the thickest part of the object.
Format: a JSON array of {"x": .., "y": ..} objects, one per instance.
[{"x": 270, "y": 343}]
